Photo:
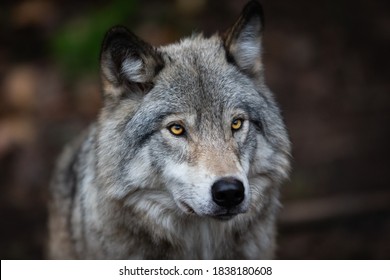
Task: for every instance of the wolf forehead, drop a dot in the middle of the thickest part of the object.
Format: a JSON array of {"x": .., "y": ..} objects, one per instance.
[
  {"x": 198, "y": 56},
  {"x": 197, "y": 70}
]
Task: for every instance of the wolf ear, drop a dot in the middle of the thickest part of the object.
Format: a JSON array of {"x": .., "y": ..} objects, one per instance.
[
  {"x": 243, "y": 40},
  {"x": 127, "y": 63}
]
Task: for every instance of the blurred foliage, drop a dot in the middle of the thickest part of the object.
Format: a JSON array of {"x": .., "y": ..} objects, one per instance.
[{"x": 76, "y": 45}]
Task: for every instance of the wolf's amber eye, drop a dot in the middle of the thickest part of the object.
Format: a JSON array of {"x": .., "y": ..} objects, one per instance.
[
  {"x": 176, "y": 129},
  {"x": 236, "y": 124}
]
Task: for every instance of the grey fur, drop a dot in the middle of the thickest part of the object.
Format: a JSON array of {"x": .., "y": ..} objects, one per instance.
[{"x": 129, "y": 189}]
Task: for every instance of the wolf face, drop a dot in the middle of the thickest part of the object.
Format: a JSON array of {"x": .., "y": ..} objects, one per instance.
[{"x": 191, "y": 122}]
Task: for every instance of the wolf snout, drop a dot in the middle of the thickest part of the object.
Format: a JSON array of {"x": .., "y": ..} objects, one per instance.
[{"x": 228, "y": 192}]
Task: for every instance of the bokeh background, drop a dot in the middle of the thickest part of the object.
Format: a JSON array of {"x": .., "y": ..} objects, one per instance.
[{"x": 327, "y": 62}]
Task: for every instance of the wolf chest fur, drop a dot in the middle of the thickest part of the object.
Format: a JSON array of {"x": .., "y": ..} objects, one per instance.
[{"x": 186, "y": 158}]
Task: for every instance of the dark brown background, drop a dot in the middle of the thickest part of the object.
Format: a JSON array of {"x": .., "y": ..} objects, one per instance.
[{"x": 326, "y": 61}]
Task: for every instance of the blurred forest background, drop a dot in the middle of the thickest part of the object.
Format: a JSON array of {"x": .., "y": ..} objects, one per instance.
[{"x": 327, "y": 62}]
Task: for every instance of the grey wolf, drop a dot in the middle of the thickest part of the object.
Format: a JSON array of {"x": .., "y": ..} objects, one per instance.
[{"x": 186, "y": 158}]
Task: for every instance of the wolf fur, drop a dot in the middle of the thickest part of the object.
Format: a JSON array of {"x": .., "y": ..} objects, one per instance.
[{"x": 129, "y": 188}]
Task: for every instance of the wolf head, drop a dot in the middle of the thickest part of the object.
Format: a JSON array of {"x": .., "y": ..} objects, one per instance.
[{"x": 191, "y": 126}]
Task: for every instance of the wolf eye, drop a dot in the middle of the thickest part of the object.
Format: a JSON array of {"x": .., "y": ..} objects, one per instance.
[
  {"x": 176, "y": 129},
  {"x": 236, "y": 124}
]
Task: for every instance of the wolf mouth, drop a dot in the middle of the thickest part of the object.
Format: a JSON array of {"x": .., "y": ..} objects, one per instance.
[
  {"x": 225, "y": 217},
  {"x": 219, "y": 216}
]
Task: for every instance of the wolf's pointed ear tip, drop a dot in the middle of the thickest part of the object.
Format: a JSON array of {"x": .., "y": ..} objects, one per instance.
[
  {"x": 254, "y": 8},
  {"x": 254, "y": 5},
  {"x": 114, "y": 33}
]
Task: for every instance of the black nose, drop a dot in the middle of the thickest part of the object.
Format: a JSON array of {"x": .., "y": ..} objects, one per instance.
[{"x": 228, "y": 192}]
